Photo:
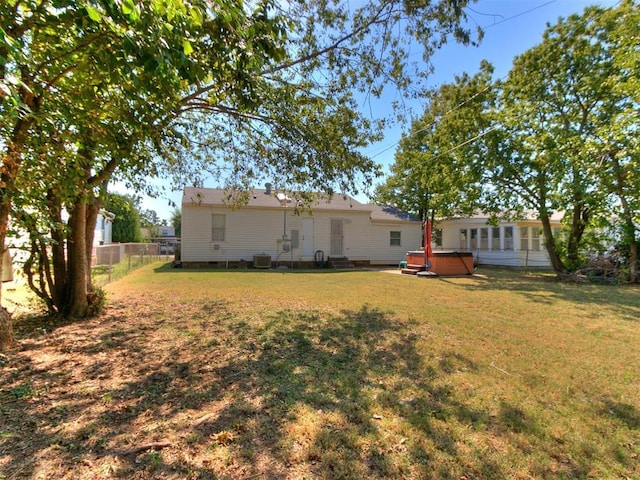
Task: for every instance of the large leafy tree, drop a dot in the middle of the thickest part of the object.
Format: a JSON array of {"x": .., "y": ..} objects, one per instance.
[
  {"x": 135, "y": 88},
  {"x": 127, "y": 221},
  {"x": 432, "y": 175},
  {"x": 559, "y": 134},
  {"x": 616, "y": 145},
  {"x": 558, "y": 97},
  {"x": 91, "y": 83},
  {"x": 87, "y": 89}
]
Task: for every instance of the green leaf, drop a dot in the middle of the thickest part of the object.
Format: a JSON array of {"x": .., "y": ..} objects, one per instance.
[
  {"x": 196, "y": 16},
  {"x": 128, "y": 7},
  {"x": 94, "y": 14},
  {"x": 186, "y": 47}
]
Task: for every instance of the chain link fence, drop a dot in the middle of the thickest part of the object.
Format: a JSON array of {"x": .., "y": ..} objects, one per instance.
[{"x": 115, "y": 260}]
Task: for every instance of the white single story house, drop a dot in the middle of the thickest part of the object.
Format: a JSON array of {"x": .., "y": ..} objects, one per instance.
[
  {"x": 104, "y": 228},
  {"x": 268, "y": 230},
  {"x": 513, "y": 243}
]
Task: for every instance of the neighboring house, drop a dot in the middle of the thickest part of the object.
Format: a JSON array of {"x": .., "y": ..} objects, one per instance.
[
  {"x": 164, "y": 236},
  {"x": 166, "y": 231},
  {"x": 517, "y": 243},
  {"x": 158, "y": 232},
  {"x": 102, "y": 238},
  {"x": 269, "y": 228},
  {"x": 104, "y": 228}
]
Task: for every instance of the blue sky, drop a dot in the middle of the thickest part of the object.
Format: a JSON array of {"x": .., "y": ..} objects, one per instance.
[{"x": 511, "y": 27}]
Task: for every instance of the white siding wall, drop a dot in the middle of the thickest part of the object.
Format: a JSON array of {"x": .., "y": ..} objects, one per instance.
[
  {"x": 247, "y": 232},
  {"x": 253, "y": 231},
  {"x": 366, "y": 240}
]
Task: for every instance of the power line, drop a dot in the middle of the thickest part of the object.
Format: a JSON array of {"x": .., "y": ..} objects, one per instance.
[
  {"x": 520, "y": 14},
  {"x": 480, "y": 135},
  {"x": 395, "y": 144},
  {"x": 449, "y": 112}
]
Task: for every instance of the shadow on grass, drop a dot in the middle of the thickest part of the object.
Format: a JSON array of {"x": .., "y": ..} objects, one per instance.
[
  {"x": 547, "y": 289},
  {"x": 168, "y": 268},
  {"x": 542, "y": 288},
  {"x": 292, "y": 395}
]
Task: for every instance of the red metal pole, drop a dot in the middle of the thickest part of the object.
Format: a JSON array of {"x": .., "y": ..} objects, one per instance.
[{"x": 427, "y": 238}]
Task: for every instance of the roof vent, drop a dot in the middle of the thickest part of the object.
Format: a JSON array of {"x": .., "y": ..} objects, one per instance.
[{"x": 267, "y": 187}]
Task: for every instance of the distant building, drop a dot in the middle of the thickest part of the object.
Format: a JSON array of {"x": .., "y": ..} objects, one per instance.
[{"x": 104, "y": 228}]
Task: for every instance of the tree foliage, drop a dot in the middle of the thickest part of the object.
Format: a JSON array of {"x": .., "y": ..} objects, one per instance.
[
  {"x": 431, "y": 174},
  {"x": 126, "y": 223},
  {"x": 93, "y": 91},
  {"x": 176, "y": 221},
  {"x": 560, "y": 136}
]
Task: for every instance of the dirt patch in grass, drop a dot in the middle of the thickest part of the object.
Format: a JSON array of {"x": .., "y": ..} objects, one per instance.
[{"x": 166, "y": 387}]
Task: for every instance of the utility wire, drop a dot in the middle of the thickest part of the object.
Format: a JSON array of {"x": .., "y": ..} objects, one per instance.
[
  {"x": 480, "y": 135},
  {"x": 395, "y": 144},
  {"x": 520, "y": 14},
  {"x": 449, "y": 112}
]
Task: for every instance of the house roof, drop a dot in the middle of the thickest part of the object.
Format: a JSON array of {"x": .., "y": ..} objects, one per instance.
[
  {"x": 527, "y": 216},
  {"x": 385, "y": 213},
  {"x": 259, "y": 198}
]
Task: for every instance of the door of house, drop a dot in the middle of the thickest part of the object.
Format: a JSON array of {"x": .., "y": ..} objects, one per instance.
[
  {"x": 337, "y": 237},
  {"x": 307, "y": 237}
]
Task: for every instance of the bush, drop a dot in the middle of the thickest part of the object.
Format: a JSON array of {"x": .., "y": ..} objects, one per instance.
[{"x": 97, "y": 301}]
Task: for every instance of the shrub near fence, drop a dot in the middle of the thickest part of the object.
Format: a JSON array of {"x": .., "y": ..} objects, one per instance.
[{"x": 117, "y": 259}]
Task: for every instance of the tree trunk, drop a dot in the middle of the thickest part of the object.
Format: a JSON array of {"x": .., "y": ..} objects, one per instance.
[
  {"x": 77, "y": 262},
  {"x": 58, "y": 286},
  {"x": 628, "y": 224},
  {"x": 633, "y": 262},
  {"x": 6, "y": 330},
  {"x": 6, "y": 322},
  {"x": 579, "y": 221},
  {"x": 550, "y": 244}
]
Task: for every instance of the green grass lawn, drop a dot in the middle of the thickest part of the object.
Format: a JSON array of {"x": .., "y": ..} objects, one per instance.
[{"x": 337, "y": 375}]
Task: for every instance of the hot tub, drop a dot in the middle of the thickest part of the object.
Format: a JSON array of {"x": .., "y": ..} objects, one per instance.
[
  {"x": 443, "y": 262},
  {"x": 416, "y": 258},
  {"x": 451, "y": 263}
]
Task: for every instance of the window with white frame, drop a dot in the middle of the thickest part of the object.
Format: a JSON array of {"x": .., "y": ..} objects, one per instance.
[
  {"x": 218, "y": 221},
  {"x": 508, "y": 238},
  {"x": 295, "y": 238},
  {"x": 484, "y": 238},
  {"x": 495, "y": 238},
  {"x": 463, "y": 239},
  {"x": 437, "y": 237},
  {"x": 524, "y": 238},
  {"x": 474, "y": 238},
  {"x": 395, "y": 239},
  {"x": 557, "y": 233},
  {"x": 535, "y": 239}
]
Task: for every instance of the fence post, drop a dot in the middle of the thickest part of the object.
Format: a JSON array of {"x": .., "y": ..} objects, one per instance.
[{"x": 110, "y": 261}]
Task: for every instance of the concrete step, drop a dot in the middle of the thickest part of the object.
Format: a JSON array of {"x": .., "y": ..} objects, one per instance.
[{"x": 340, "y": 263}]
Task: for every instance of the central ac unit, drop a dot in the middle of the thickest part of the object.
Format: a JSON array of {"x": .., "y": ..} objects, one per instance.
[{"x": 262, "y": 261}]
